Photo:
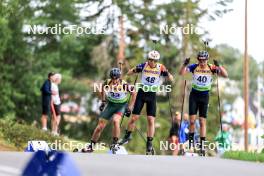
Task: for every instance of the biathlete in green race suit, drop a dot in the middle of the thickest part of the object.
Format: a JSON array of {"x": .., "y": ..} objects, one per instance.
[
  {"x": 202, "y": 74},
  {"x": 151, "y": 72},
  {"x": 116, "y": 93}
]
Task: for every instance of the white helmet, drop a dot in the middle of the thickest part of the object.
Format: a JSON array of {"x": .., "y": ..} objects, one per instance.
[{"x": 155, "y": 55}]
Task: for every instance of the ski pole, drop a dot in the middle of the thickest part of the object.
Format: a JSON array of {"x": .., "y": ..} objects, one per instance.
[
  {"x": 141, "y": 134},
  {"x": 172, "y": 119},
  {"x": 219, "y": 105},
  {"x": 182, "y": 107},
  {"x": 128, "y": 102}
]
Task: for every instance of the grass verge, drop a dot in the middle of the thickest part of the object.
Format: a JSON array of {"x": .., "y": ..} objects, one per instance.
[{"x": 244, "y": 156}]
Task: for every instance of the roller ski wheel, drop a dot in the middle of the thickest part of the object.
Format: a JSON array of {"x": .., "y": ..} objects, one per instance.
[
  {"x": 88, "y": 149},
  {"x": 202, "y": 153},
  {"x": 150, "y": 152},
  {"x": 114, "y": 148},
  {"x": 75, "y": 150}
]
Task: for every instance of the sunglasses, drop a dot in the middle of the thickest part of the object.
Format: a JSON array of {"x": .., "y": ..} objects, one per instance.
[
  {"x": 152, "y": 60},
  {"x": 202, "y": 60}
]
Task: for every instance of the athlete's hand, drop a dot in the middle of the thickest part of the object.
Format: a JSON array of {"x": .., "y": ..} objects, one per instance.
[
  {"x": 186, "y": 61},
  {"x": 102, "y": 106},
  {"x": 216, "y": 63},
  {"x": 128, "y": 112}
]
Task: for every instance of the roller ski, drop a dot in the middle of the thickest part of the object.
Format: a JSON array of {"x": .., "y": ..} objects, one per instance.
[{"x": 88, "y": 149}]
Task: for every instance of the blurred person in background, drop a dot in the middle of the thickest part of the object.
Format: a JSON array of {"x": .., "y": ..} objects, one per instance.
[
  {"x": 55, "y": 104},
  {"x": 174, "y": 133},
  {"x": 46, "y": 100}
]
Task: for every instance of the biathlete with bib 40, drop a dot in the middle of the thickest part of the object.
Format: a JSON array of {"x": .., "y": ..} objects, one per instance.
[
  {"x": 202, "y": 74},
  {"x": 151, "y": 72}
]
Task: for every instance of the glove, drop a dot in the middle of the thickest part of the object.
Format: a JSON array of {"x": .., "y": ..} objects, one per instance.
[
  {"x": 127, "y": 112},
  {"x": 186, "y": 61},
  {"x": 102, "y": 106},
  {"x": 216, "y": 63}
]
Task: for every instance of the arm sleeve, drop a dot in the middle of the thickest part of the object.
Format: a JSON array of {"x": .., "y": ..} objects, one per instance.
[
  {"x": 190, "y": 68},
  {"x": 139, "y": 68}
]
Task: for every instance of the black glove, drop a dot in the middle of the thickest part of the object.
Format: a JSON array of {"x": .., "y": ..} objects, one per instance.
[
  {"x": 216, "y": 63},
  {"x": 186, "y": 61},
  {"x": 102, "y": 106},
  {"x": 127, "y": 112}
]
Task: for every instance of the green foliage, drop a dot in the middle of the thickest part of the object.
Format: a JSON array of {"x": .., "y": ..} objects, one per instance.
[
  {"x": 233, "y": 60},
  {"x": 25, "y": 59},
  {"x": 245, "y": 156},
  {"x": 19, "y": 134}
]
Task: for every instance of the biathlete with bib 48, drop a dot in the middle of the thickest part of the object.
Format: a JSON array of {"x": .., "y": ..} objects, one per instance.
[
  {"x": 202, "y": 74},
  {"x": 151, "y": 72}
]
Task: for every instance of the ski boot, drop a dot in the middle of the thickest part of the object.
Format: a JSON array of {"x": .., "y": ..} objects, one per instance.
[
  {"x": 114, "y": 148},
  {"x": 150, "y": 150},
  {"x": 88, "y": 149}
]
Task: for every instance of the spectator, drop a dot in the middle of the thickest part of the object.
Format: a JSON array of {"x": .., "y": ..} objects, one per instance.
[
  {"x": 174, "y": 133},
  {"x": 55, "y": 104},
  {"x": 46, "y": 100},
  {"x": 183, "y": 136}
]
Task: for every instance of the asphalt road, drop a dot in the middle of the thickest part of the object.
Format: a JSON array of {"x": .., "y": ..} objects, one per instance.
[{"x": 13, "y": 163}]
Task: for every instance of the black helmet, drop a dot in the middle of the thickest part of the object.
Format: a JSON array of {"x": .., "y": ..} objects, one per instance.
[
  {"x": 115, "y": 73},
  {"x": 203, "y": 54}
]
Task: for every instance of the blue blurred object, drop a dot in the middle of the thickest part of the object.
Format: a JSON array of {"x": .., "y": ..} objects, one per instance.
[
  {"x": 184, "y": 131},
  {"x": 51, "y": 164}
]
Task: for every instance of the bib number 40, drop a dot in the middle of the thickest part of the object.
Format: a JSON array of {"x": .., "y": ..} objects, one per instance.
[{"x": 202, "y": 79}]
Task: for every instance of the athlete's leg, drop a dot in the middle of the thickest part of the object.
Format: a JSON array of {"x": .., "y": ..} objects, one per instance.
[
  {"x": 116, "y": 127},
  {"x": 99, "y": 129},
  {"x": 151, "y": 114},
  {"x": 202, "y": 121},
  {"x": 193, "y": 108},
  {"x": 203, "y": 107},
  {"x": 151, "y": 126}
]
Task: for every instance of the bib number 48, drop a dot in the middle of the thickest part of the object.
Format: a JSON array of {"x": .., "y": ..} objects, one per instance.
[{"x": 150, "y": 79}]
